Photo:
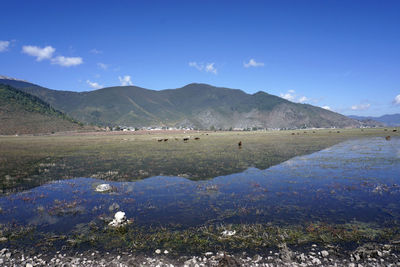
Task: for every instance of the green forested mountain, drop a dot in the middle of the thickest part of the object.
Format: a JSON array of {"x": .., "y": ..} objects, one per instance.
[
  {"x": 195, "y": 105},
  {"x": 23, "y": 113}
]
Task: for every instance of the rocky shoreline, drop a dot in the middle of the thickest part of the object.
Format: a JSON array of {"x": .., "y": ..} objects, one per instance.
[{"x": 369, "y": 254}]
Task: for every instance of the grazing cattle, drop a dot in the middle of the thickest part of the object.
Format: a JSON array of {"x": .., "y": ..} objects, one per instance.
[
  {"x": 159, "y": 140},
  {"x": 305, "y": 132},
  {"x": 338, "y": 131},
  {"x": 293, "y": 133},
  {"x": 197, "y": 138},
  {"x": 240, "y": 144},
  {"x": 387, "y": 138},
  {"x": 394, "y": 130},
  {"x": 165, "y": 140},
  {"x": 313, "y": 132},
  {"x": 185, "y": 139}
]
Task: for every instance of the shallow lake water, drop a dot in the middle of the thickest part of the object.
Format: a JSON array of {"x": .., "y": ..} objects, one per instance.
[{"x": 354, "y": 181}]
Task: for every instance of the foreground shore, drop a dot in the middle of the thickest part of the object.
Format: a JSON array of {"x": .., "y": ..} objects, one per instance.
[{"x": 369, "y": 254}]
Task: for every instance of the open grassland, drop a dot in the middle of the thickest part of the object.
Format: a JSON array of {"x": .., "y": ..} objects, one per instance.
[{"x": 28, "y": 161}]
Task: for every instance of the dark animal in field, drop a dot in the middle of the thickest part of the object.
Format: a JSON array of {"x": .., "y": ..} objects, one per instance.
[
  {"x": 394, "y": 130},
  {"x": 206, "y": 134},
  {"x": 385, "y": 130},
  {"x": 185, "y": 139},
  {"x": 159, "y": 140},
  {"x": 293, "y": 133},
  {"x": 197, "y": 138},
  {"x": 305, "y": 132},
  {"x": 240, "y": 144},
  {"x": 338, "y": 131},
  {"x": 165, "y": 140},
  {"x": 387, "y": 138},
  {"x": 313, "y": 132}
]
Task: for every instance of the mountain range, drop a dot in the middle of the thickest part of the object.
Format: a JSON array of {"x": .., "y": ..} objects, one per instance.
[
  {"x": 388, "y": 119},
  {"x": 195, "y": 105}
]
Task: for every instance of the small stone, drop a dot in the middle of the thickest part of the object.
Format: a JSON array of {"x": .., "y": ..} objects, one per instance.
[
  {"x": 228, "y": 233},
  {"x": 166, "y": 252},
  {"x": 103, "y": 188},
  {"x": 324, "y": 253},
  {"x": 158, "y": 251},
  {"x": 316, "y": 261},
  {"x": 28, "y": 265}
]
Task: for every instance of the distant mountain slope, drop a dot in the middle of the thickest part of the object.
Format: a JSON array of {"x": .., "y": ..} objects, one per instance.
[
  {"x": 195, "y": 105},
  {"x": 22, "y": 113},
  {"x": 389, "y": 119}
]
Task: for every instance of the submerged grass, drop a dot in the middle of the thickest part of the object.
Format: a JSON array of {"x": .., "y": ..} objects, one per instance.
[{"x": 253, "y": 238}]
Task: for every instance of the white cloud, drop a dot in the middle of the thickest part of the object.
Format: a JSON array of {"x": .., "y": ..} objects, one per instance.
[
  {"x": 326, "y": 107},
  {"x": 47, "y": 53},
  {"x": 39, "y": 53},
  {"x": 4, "y": 45},
  {"x": 361, "y": 107},
  {"x": 95, "y": 51},
  {"x": 67, "y": 61},
  {"x": 303, "y": 99},
  {"x": 126, "y": 80},
  {"x": 102, "y": 65},
  {"x": 292, "y": 96},
  {"x": 94, "y": 85},
  {"x": 288, "y": 96},
  {"x": 197, "y": 66},
  {"x": 253, "y": 63},
  {"x": 208, "y": 67},
  {"x": 397, "y": 100}
]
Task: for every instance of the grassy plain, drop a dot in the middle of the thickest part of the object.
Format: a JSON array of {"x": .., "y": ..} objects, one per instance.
[{"x": 28, "y": 161}]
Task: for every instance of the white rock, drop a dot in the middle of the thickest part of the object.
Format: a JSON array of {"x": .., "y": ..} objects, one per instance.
[
  {"x": 166, "y": 252},
  {"x": 103, "y": 188},
  {"x": 119, "y": 219},
  {"x": 316, "y": 261},
  {"x": 28, "y": 265},
  {"x": 228, "y": 233},
  {"x": 158, "y": 251},
  {"x": 324, "y": 253}
]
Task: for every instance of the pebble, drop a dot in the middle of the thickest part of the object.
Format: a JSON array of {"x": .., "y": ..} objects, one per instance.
[{"x": 324, "y": 253}]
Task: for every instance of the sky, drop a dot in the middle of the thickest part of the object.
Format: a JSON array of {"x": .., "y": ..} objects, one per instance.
[{"x": 340, "y": 55}]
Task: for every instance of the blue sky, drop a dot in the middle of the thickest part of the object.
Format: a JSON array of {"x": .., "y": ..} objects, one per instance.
[{"x": 339, "y": 54}]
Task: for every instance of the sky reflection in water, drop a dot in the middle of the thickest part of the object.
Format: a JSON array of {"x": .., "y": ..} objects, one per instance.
[{"x": 355, "y": 180}]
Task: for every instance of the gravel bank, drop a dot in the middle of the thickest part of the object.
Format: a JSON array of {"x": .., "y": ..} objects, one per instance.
[{"x": 370, "y": 254}]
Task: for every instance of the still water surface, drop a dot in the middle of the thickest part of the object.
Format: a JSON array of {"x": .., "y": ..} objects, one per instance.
[{"x": 357, "y": 180}]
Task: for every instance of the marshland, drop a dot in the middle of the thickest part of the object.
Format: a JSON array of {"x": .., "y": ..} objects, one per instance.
[{"x": 327, "y": 187}]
